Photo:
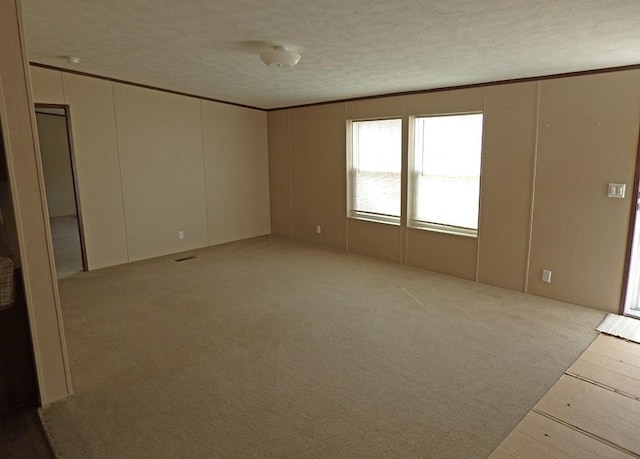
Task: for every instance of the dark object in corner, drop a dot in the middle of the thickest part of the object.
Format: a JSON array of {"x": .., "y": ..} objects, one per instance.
[
  {"x": 22, "y": 436},
  {"x": 18, "y": 384}
]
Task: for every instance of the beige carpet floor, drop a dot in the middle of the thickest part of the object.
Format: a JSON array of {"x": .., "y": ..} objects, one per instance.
[{"x": 269, "y": 348}]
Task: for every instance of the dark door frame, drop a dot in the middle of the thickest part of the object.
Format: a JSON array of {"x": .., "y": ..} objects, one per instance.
[{"x": 74, "y": 176}]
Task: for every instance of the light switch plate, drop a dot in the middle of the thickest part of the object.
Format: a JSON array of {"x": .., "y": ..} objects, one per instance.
[{"x": 616, "y": 190}]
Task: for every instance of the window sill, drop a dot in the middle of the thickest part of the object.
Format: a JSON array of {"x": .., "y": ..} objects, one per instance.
[
  {"x": 635, "y": 313},
  {"x": 385, "y": 220},
  {"x": 455, "y": 231}
]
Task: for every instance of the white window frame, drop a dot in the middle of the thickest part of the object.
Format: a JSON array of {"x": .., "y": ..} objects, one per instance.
[
  {"x": 412, "y": 221},
  {"x": 351, "y": 180}
]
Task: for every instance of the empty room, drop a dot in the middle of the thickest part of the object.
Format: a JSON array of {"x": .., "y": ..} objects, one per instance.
[{"x": 319, "y": 229}]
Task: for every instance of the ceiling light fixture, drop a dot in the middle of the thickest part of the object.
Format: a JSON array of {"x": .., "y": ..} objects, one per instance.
[
  {"x": 75, "y": 60},
  {"x": 280, "y": 57}
]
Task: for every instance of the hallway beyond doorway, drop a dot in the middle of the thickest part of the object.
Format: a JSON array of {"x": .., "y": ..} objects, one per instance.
[{"x": 66, "y": 245}]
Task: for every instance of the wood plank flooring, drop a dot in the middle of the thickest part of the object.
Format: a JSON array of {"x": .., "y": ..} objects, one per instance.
[
  {"x": 612, "y": 362},
  {"x": 540, "y": 436},
  {"x": 593, "y": 411}
]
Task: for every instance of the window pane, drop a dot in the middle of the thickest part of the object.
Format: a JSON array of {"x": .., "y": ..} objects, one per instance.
[
  {"x": 446, "y": 174},
  {"x": 377, "y": 161}
]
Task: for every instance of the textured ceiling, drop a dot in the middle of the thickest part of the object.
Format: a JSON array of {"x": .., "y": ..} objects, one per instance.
[{"x": 350, "y": 48}]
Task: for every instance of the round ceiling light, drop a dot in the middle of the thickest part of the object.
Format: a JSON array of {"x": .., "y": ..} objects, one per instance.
[
  {"x": 280, "y": 57},
  {"x": 75, "y": 60}
]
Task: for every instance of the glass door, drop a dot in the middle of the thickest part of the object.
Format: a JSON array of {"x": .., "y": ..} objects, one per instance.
[{"x": 632, "y": 301}]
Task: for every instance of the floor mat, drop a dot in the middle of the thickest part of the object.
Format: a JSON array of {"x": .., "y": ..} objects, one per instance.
[{"x": 620, "y": 326}]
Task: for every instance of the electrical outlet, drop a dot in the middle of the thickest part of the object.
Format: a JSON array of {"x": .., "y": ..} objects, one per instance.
[
  {"x": 318, "y": 229},
  {"x": 180, "y": 234},
  {"x": 546, "y": 276}
]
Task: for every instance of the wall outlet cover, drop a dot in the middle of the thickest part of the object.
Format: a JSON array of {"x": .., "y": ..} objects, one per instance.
[{"x": 616, "y": 190}]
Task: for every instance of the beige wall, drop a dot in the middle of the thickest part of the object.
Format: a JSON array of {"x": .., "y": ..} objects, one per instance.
[
  {"x": 160, "y": 146},
  {"x": 549, "y": 149},
  {"x": 280, "y": 173},
  {"x": 507, "y": 171},
  {"x": 93, "y": 126},
  {"x": 238, "y": 193},
  {"x": 318, "y": 174},
  {"x": 30, "y": 210},
  {"x": 56, "y": 164},
  {"x": 588, "y": 137},
  {"x": 151, "y": 164}
]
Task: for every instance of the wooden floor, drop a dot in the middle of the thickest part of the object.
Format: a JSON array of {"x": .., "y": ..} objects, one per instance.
[{"x": 593, "y": 411}]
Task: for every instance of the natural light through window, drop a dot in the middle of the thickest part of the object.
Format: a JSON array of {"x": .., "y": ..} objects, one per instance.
[
  {"x": 445, "y": 175},
  {"x": 375, "y": 162}
]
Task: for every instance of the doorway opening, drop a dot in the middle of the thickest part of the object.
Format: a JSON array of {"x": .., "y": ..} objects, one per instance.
[
  {"x": 632, "y": 297},
  {"x": 631, "y": 292},
  {"x": 58, "y": 165}
]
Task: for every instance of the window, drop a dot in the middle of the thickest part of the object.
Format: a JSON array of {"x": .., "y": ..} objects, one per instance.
[
  {"x": 445, "y": 173},
  {"x": 374, "y": 166}
]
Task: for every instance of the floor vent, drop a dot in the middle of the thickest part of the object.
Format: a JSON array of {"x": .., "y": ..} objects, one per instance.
[{"x": 190, "y": 257}]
